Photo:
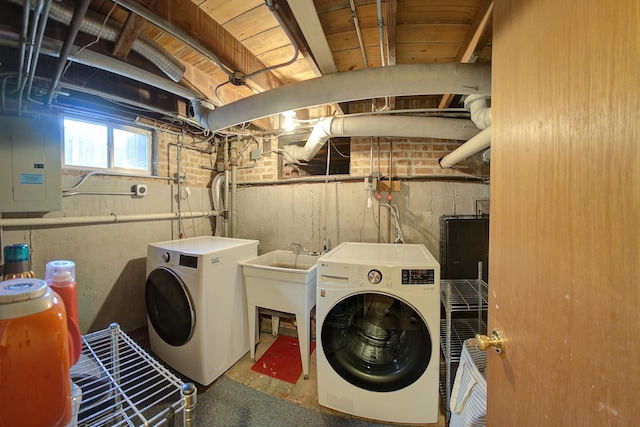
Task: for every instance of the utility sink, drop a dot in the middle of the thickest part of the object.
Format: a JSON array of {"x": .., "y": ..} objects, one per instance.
[
  {"x": 280, "y": 260},
  {"x": 282, "y": 281}
]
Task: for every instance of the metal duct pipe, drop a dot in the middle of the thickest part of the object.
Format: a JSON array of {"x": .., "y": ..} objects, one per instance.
[
  {"x": 468, "y": 149},
  {"x": 378, "y": 82},
  {"x": 164, "y": 25},
  {"x": 478, "y": 106},
  {"x": 80, "y": 220},
  {"x": 386, "y": 126},
  {"x": 97, "y": 60},
  {"x": 93, "y": 24}
]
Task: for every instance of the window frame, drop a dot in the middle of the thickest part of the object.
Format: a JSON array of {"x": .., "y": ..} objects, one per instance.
[{"x": 111, "y": 126}]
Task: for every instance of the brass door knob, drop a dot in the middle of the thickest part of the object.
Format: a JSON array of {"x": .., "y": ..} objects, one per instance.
[{"x": 496, "y": 340}]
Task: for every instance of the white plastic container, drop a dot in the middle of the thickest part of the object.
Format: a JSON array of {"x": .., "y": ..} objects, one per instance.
[{"x": 469, "y": 393}]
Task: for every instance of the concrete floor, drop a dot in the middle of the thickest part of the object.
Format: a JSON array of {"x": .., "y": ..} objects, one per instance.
[{"x": 304, "y": 393}]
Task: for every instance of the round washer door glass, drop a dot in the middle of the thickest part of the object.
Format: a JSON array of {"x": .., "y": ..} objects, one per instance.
[
  {"x": 376, "y": 342},
  {"x": 169, "y": 307}
]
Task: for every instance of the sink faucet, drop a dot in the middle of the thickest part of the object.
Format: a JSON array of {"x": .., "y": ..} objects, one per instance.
[{"x": 297, "y": 247}]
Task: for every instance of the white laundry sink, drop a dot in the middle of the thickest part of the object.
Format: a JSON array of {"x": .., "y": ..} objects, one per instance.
[
  {"x": 283, "y": 281},
  {"x": 283, "y": 261}
]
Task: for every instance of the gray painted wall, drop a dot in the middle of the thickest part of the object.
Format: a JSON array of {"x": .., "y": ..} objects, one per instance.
[
  {"x": 111, "y": 258},
  {"x": 280, "y": 214}
]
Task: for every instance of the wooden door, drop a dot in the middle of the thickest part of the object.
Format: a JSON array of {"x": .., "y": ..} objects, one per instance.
[{"x": 565, "y": 213}]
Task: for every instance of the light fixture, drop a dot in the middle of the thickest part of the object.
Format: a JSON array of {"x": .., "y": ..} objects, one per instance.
[{"x": 289, "y": 121}]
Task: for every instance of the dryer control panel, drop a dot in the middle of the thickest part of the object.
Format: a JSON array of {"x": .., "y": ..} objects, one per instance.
[{"x": 189, "y": 261}]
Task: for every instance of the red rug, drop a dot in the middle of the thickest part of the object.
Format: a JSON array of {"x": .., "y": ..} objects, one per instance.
[{"x": 282, "y": 359}]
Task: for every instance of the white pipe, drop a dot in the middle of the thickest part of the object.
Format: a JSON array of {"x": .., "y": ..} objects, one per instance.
[
  {"x": 377, "y": 82},
  {"x": 386, "y": 126},
  {"x": 479, "y": 109},
  {"x": 469, "y": 148},
  {"x": 381, "y": 31},
  {"x": 61, "y": 221},
  {"x": 233, "y": 201},
  {"x": 218, "y": 203},
  {"x": 227, "y": 181}
]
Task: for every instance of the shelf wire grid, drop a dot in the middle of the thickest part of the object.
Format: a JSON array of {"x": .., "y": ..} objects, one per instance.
[
  {"x": 460, "y": 295},
  {"x": 122, "y": 385}
]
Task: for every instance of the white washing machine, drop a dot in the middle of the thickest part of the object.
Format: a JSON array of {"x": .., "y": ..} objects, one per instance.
[
  {"x": 378, "y": 331},
  {"x": 196, "y": 304}
]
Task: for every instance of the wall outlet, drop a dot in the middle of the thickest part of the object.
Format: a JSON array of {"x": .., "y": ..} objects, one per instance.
[{"x": 139, "y": 190}]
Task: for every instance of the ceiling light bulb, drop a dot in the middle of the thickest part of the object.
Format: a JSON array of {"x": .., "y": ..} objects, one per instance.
[{"x": 289, "y": 122}]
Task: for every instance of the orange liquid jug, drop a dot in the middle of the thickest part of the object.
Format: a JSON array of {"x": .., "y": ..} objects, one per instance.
[{"x": 35, "y": 384}]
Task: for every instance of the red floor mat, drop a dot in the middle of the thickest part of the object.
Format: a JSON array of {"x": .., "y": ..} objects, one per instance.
[{"x": 282, "y": 360}]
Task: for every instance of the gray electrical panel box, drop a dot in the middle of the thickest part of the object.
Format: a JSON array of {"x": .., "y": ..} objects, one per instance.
[{"x": 30, "y": 164}]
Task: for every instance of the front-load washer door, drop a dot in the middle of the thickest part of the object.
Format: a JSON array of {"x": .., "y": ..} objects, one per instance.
[
  {"x": 376, "y": 342},
  {"x": 169, "y": 307}
]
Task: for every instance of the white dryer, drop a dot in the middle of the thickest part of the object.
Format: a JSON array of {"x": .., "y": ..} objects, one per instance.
[
  {"x": 378, "y": 331},
  {"x": 196, "y": 304}
]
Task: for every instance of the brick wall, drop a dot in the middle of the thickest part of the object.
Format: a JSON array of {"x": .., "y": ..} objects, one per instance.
[
  {"x": 194, "y": 155},
  {"x": 409, "y": 157}
]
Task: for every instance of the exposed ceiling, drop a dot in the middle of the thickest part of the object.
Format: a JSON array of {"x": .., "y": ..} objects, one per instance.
[{"x": 149, "y": 59}]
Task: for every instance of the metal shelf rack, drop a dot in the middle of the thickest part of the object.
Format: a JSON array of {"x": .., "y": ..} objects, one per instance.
[
  {"x": 122, "y": 385},
  {"x": 464, "y": 297}
]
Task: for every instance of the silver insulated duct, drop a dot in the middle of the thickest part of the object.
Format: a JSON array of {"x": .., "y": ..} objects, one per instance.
[{"x": 93, "y": 24}]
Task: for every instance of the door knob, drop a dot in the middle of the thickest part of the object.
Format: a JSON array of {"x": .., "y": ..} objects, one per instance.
[{"x": 496, "y": 340}]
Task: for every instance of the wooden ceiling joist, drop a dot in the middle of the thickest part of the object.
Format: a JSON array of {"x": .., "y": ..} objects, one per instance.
[{"x": 472, "y": 42}]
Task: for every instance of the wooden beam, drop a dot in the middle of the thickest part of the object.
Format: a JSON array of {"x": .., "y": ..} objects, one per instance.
[
  {"x": 289, "y": 21},
  {"x": 471, "y": 44},
  {"x": 130, "y": 32}
]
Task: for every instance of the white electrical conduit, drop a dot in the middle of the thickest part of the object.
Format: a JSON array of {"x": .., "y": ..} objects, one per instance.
[
  {"x": 63, "y": 221},
  {"x": 383, "y": 57},
  {"x": 468, "y": 149},
  {"x": 378, "y": 82},
  {"x": 386, "y": 126},
  {"x": 356, "y": 24}
]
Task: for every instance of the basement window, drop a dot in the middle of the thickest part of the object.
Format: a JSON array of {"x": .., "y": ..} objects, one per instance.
[
  {"x": 339, "y": 155},
  {"x": 121, "y": 148}
]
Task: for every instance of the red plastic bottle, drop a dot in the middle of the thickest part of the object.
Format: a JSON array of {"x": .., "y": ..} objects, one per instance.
[{"x": 61, "y": 277}]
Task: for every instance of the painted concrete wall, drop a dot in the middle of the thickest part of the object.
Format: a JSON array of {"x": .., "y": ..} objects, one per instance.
[
  {"x": 280, "y": 214},
  {"x": 110, "y": 258}
]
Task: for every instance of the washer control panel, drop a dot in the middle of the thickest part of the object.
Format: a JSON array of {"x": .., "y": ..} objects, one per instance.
[{"x": 418, "y": 276}]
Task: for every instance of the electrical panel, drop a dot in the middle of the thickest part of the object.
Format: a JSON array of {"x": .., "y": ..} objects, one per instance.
[{"x": 30, "y": 164}]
